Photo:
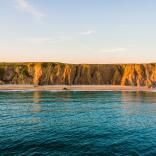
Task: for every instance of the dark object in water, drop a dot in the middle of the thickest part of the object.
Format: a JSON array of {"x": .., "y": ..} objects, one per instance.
[
  {"x": 35, "y": 86},
  {"x": 65, "y": 88}
]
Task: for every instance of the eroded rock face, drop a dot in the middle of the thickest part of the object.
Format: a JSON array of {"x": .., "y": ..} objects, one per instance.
[
  {"x": 59, "y": 73},
  {"x": 37, "y": 73}
]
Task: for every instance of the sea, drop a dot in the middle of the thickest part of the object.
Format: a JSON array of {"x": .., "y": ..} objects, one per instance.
[{"x": 75, "y": 123}]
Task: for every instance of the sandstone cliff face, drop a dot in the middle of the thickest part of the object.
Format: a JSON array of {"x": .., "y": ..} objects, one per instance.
[{"x": 59, "y": 73}]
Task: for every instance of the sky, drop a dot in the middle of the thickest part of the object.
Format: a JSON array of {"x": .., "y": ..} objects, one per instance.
[{"x": 78, "y": 31}]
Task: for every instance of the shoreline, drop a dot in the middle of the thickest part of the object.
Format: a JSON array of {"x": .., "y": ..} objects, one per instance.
[{"x": 74, "y": 88}]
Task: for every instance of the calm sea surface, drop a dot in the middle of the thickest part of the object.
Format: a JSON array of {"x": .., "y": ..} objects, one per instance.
[{"x": 78, "y": 123}]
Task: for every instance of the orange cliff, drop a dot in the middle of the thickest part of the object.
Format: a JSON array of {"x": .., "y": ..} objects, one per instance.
[{"x": 80, "y": 74}]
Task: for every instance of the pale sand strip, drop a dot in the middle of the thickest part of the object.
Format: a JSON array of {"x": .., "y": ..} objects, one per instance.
[{"x": 75, "y": 87}]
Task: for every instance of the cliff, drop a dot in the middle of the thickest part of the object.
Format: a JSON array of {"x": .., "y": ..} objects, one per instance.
[{"x": 59, "y": 73}]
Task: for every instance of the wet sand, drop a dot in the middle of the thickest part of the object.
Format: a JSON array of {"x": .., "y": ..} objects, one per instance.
[{"x": 75, "y": 87}]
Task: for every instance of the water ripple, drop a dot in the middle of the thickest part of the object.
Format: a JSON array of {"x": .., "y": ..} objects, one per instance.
[{"x": 77, "y": 123}]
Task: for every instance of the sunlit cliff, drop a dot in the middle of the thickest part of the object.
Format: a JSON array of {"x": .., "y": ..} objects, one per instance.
[{"x": 59, "y": 73}]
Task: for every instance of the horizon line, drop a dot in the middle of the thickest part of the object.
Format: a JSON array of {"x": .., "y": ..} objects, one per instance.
[{"x": 25, "y": 62}]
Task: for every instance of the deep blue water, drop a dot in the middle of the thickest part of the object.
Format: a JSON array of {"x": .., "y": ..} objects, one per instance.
[{"x": 78, "y": 123}]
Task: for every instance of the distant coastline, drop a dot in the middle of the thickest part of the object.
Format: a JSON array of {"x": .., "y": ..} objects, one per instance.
[
  {"x": 52, "y": 73},
  {"x": 73, "y": 88}
]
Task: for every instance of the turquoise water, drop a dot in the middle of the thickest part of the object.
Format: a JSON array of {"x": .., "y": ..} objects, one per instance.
[{"x": 78, "y": 123}]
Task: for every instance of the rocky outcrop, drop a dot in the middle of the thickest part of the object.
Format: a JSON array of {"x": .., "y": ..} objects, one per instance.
[
  {"x": 37, "y": 73},
  {"x": 59, "y": 73}
]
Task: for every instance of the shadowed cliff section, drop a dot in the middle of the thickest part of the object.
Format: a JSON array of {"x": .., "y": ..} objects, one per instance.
[{"x": 70, "y": 74}]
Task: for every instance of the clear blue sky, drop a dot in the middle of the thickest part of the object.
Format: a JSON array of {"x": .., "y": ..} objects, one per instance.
[{"x": 78, "y": 31}]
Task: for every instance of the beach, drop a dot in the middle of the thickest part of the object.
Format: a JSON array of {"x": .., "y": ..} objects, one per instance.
[{"x": 76, "y": 87}]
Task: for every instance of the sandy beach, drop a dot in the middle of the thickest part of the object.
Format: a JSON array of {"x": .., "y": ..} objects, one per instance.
[{"x": 75, "y": 87}]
